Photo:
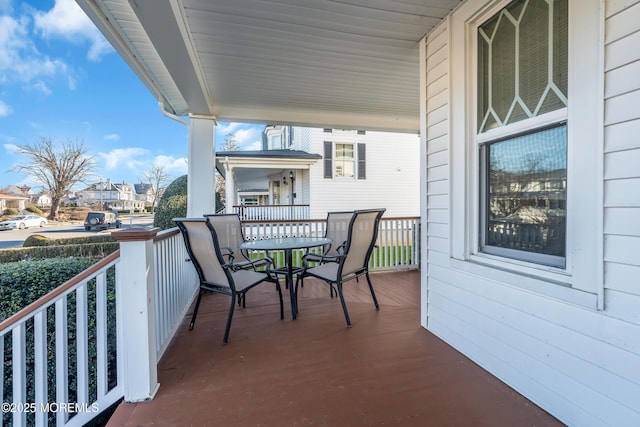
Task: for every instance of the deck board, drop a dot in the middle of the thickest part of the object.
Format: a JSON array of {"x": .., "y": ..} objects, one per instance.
[{"x": 314, "y": 371}]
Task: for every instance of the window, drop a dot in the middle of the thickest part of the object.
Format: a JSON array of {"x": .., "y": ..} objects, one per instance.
[
  {"x": 344, "y": 161},
  {"x": 522, "y": 131},
  {"x": 275, "y": 142},
  {"x": 340, "y": 160}
]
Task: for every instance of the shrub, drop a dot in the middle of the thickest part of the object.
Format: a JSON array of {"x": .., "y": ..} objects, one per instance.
[
  {"x": 173, "y": 204},
  {"x": 21, "y": 283},
  {"x": 11, "y": 211},
  {"x": 40, "y": 240},
  {"x": 34, "y": 210}
]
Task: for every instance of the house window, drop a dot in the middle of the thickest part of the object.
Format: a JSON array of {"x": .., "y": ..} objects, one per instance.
[
  {"x": 522, "y": 131},
  {"x": 275, "y": 142},
  {"x": 340, "y": 160},
  {"x": 344, "y": 161}
]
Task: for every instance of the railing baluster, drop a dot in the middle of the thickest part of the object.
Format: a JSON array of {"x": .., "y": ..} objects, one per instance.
[
  {"x": 82, "y": 347},
  {"x": 102, "y": 379},
  {"x": 40, "y": 366},
  {"x": 62, "y": 355},
  {"x": 19, "y": 373}
]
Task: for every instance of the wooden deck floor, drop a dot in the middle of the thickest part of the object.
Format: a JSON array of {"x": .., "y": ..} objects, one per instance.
[{"x": 385, "y": 370}]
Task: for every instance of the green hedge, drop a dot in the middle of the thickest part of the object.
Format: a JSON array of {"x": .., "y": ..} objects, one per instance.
[
  {"x": 91, "y": 250},
  {"x": 22, "y": 283},
  {"x": 11, "y": 211},
  {"x": 37, "y": 247}
]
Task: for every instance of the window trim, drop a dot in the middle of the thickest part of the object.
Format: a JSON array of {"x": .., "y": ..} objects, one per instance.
[{"x": 584, "y": 271}]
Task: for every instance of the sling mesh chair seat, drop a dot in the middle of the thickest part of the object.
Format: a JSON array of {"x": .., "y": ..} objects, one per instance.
[
  {"x": 337, "y": 229},
  {"x": 230, "y": 235},
  {"x": 354, "y": 261},
  {"x": 215, "y": 274}
]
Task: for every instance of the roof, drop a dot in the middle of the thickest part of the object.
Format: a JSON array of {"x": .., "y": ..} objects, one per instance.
[
  {"x": 346, "y": 64},
  {"x": 269, "y": 154}
]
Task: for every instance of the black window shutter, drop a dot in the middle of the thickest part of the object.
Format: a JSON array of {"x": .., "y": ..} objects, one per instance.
[
  {"x": 362, "y": 160},
  {"x": 328, "y": 159}
]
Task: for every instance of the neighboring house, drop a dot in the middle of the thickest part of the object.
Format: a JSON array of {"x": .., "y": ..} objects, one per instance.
[
  {"x": 41, "y": 200},
  {"x": 109, "y": 195},
  {"x": 322, "y": 169},
  {"x": 146, "y": 194},
  {"x": 501, "y": 83}
]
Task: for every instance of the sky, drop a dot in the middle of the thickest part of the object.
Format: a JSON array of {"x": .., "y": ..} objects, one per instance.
[{"x": 60, "y": 79}]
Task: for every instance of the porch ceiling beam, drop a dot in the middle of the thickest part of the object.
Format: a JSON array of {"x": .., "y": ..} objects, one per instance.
[{"x": 164, "y": 23}]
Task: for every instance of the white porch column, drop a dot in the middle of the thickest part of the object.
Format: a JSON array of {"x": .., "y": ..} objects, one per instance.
[
  {"x": 136, "y": 313},
  {"x": 201, "y": 176},
  {"x": 229, "y": 189}
]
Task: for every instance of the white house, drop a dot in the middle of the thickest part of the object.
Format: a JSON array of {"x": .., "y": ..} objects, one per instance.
[
  {"x": 320, "y": 170},
  {"x": 109, "y": 195},
  {"x": 503, "y": 92}
]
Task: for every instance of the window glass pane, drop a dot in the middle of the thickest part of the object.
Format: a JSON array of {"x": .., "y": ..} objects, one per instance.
[
  {"x": 522, "y": 62},
  {"x": 344, "y": 161},
  {"x": 526, "y": 192}
]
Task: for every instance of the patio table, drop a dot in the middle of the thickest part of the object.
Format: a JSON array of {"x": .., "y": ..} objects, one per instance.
[{"x": 286, "y": 244}]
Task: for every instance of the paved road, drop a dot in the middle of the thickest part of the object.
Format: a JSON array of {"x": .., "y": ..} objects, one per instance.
[{"x": 15, "y": 238}]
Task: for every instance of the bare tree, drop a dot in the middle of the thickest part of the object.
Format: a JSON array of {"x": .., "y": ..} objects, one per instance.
[
  {"x": 57, "y": 168},
  {"x": 158, "y": 178}
]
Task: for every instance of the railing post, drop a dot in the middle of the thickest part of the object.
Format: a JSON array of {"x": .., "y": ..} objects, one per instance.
[{"x": 135, "y": 295}]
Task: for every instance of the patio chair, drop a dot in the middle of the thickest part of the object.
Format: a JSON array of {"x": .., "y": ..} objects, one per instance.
[
  {"x": 354, "y": 261},
  {"x": 337, "y": 229},
  {"x": 215, "y": 273},
  {"x": 230, "y": 235}
]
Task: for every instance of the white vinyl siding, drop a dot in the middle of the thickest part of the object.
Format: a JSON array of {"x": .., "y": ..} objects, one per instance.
[
  {"x": 622, "y": 161},
  {"x": 392, "y": 166},
  {"x": 579, "y": 363}
]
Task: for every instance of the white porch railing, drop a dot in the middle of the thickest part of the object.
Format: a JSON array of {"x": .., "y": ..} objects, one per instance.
[
  {"x": 154, "y": 285},
  {"x": 176, "y": 285},
  {"x": 271, "y": 212},
  {"x": 43, "y": 337},
  {"x": 397, "y": 247}
]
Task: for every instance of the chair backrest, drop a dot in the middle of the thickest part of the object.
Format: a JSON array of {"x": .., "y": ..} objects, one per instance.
[
  {"x": 337, "y": 230},
  {"x": 363, "y": 232},
  {"x": 228, "y": 228},
  {"x": 203, "y": 249}
]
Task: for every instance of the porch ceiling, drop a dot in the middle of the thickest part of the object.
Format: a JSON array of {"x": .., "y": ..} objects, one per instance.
[{"x": 342, "y": 64}]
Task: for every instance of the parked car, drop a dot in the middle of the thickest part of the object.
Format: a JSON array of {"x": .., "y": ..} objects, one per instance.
[
  {"x": 101, "y": 221},
  {"x": 23, "y": 221}
]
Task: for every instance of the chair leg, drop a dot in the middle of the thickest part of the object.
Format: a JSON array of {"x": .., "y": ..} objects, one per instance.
[
  {"x": 231, "y": 308},
  {"x": 373, "y": 294},
  {"x": 344, "y": 305},
  {"x": 281, "y": 302},
  {"x": 195, "y": 310}
]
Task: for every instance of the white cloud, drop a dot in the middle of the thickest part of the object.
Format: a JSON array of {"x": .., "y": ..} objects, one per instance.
[
  {"x": 175, "y": 167},
  {"x": 249, "y": 139},
  {"x": 20, "y": 60},
  {"x": 227, "y": 128},
  {"x": 112, "y": 137},
  {"x": 5, "y": 109},
  {"x": 11, "y": 148},
  {"x": 67, "y": 20},
  {"x": 128, "y": 158}
]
